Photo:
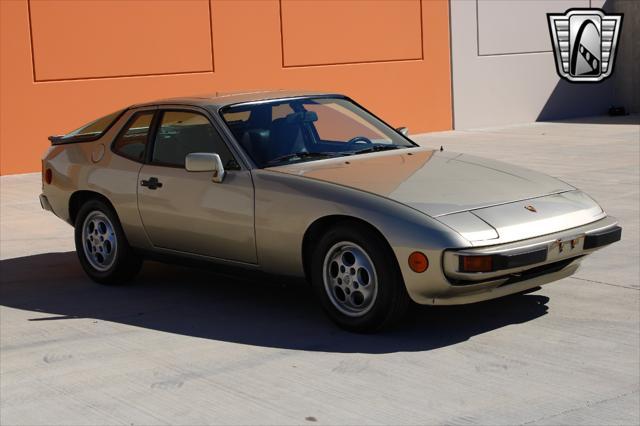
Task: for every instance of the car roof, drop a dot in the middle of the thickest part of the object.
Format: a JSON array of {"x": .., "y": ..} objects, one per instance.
[{"x": 219, "y": 99}]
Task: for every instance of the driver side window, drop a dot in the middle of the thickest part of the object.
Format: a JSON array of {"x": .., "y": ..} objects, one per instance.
[{"x": 184, "y": 132}]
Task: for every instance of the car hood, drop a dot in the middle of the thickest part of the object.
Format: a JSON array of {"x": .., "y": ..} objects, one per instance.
[{"x": 434, "y": 182}]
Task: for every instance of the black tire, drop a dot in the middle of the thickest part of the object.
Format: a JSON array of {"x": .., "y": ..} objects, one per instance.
[
  {"x": 124, "y": 264},
  {"x": 391, "y": 302}
]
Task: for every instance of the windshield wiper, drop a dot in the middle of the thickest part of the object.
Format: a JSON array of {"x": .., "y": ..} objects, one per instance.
[
  {"x": 377, "y": 148},
  {"x": 301, "y": 155}
]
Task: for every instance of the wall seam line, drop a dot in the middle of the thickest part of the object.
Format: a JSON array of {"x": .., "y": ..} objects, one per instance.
[
  {"x": 54, "y": 80},
  {"x": 213, "y": 62},
  {"x": 33, "y": 58},
  {"x": 375, "y": 61}
]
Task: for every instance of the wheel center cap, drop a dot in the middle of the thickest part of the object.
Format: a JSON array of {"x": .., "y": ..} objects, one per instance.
[{"x": 347, "y": 279}]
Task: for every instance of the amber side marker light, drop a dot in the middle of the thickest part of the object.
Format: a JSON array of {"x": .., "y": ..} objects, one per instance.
[
  {"x": 48, "y": 176},
  {"x": 418, "y": 262},
  {"x": 476, "y": 263}
]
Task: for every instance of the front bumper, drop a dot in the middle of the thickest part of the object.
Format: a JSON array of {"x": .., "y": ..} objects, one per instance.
[
  {"x": 518, "y": 266},
  {"x": 531, "y": 254}
]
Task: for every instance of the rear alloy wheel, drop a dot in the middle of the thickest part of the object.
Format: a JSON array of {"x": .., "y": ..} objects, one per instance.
[
  {"x": 357, "y": 279},
  {"x": 102, "y": 247},
  {"x": 100, "y": 242}
]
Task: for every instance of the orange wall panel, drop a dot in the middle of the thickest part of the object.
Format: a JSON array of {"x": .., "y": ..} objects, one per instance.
[
  {"x": 247, "y": 44},
  {"x": 317, "y": 32},
  {"x": 80, "y": 39}
]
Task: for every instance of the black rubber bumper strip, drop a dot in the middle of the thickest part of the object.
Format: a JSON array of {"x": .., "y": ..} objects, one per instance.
[
  {"x": 515, "y": 260},
  {"x": 602, "y": 238}
]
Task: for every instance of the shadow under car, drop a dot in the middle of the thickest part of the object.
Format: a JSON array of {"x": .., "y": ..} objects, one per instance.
[{"x": 248, "y": 310}]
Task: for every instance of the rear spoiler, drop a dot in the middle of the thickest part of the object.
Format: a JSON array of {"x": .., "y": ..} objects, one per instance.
[
  {"x": 55, "y": 140},
  {"x": 63, "y": 140}
]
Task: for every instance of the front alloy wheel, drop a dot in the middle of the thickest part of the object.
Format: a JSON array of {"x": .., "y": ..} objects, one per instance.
[
  {"x": 355, "y": 275},
  {"x": 350, "y": 279}
]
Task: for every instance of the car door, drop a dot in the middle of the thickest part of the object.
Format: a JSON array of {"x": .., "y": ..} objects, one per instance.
[{"x": 186, "y": 211}]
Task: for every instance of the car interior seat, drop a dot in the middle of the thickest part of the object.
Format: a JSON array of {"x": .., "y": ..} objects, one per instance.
[
  {"x": 286, "y": 134},
  {"x": 256, "y": 142}
]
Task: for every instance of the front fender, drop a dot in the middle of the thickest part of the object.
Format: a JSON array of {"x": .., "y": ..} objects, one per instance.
[{"x": 286, "y": 206}]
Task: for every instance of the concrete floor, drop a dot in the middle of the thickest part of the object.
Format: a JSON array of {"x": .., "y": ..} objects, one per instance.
[{"x": 186, "y": 346}]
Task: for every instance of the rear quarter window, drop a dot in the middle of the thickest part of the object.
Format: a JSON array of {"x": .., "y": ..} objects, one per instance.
[
  {"x": 93, "y": 130},
  {"x": 132, "y": 140}
]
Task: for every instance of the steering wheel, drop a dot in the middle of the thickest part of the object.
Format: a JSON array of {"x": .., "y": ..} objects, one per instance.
[{"x": 359, "y": 140}]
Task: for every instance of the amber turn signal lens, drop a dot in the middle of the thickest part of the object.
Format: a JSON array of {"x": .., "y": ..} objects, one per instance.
[
  {"x": 48, "y": 176},
  {"x": 418, "y": 262},
  {"x": 477, "y": 264}
]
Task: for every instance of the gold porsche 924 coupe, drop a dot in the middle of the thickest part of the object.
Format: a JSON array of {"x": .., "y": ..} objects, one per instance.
[{"x": 313, "y": 186}]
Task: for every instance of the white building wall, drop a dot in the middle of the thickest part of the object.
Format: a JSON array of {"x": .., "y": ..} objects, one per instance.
[
  {"x": 627, "y": 76},
  {"x": 503, "y": 70}
]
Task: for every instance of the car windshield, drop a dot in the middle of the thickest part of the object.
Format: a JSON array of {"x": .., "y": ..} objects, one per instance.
[{"x": 306, "y": 129}]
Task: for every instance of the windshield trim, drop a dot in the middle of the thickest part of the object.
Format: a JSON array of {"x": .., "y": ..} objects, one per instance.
[{"x": 285, "y": 98}]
